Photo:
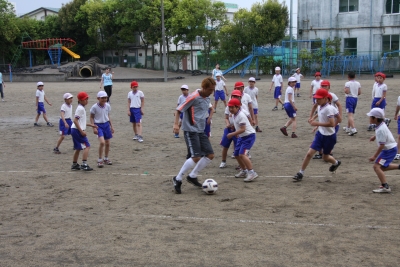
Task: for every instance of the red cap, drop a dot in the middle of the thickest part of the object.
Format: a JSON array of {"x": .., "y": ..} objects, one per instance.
[
  {"x": 317, "y": 74},
  {"x": 82, "y": 96},
  {"x": 134, "y": 84},
  {"x": 321, "y": 93},
  {"x": 330, "y": 97},
  {"x": 325, "y": 83},
  {"x": 236, "y": 93},
  {"x": 380, "y": 74},
  {"x": 234, "y": 102},
  {"x": 239, "y": 84}
]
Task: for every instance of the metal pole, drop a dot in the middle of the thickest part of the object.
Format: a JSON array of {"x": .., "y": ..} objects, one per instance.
[
  {"x": 291, "y": 34},
  {"x": 164, "y": 43}
]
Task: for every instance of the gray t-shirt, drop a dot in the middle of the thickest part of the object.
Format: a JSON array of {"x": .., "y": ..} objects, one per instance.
[
  {"x": 196, "y": 111},
  {"x": 100, "y": 113}
]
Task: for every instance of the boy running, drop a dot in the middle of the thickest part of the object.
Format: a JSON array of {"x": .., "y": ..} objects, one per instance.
[
  {"x": 65, "y": 120},
  {"x": 40, "y": 98}
]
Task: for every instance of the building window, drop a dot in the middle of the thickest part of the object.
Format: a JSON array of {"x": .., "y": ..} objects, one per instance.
[
  {"x": 392, "y": 6},
  {"x": 348, "y": 5},
  {"x": 390, "y": 43},
  {"x": 350, "y": 46}
]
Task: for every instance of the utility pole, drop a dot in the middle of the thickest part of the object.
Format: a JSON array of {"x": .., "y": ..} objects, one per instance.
[
  {"x": 164, "y": 43},
  {"x": 291, "y": 34}
]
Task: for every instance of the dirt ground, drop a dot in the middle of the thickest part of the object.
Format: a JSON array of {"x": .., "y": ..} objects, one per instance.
[{"x": 128, "y": 215}]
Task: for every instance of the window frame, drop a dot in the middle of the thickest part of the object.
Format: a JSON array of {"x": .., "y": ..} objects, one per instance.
[
  {"x": 353, "y": 50},
  {"x": 391, "y": 7},
  {"x": 348, "y": 6}
]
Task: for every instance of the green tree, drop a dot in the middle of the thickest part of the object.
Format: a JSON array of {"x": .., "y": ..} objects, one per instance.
[{"x": 8, "y": 29}]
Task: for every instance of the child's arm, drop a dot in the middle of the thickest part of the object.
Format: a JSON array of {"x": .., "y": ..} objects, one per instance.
[
  {"x": 251, "y": 114},
  {"x": 270, "y": 88},
  {"x": 227, "y": 123},
  {"x": 397, "y": 112},
  {"x": 101, "y": 80},
  {"x": 226, "y": 91},
  {"x": 339, "y": 108},
  {"x": 142, "y": 105},
  {"x": 109, "y": 120},
  {"x": 176, "y": 122},
  {"x": 237, "y": 132},
  {"x": 378, "y": 151},
  {"x": 129, "y": 107},
  {"x": 63, "y": 119},
  {"x": 37, "y": 103},
  {"x": 76, "y": 121},
  {"x": 47, "y": 101},
  {"x": 330, "y": 123},
  {"x": 291, "y": 102},
  {"x": 312, "y": 112},
  {"x": 380, "y": 100},
  {"x": 92, "y": 123},
  {"x": 311, "y": 89},
  {"x": 359, "y": 91}
]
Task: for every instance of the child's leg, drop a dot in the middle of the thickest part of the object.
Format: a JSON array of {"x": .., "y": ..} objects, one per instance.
[
  {"x": 288, "y": 123},
  {"x": 134, "y": 128},
  {"x": 224, "y": 153},
  {"x": 307, "y": 159},
  {"x": 379, "y": 172},
  {"x": 37, "y": 118},
  {"x": 60, "y": 140},
  {"x": 241, "y": 163},
  {"x": 350, "y": 120},
  {"x": 224, "y": 102},
  {"x": 101, "y": 147},
  {"x": 246, "y": 162},
  {"x": 76, "y": 156},
  {"x": 256, "y": 119},
  {"x": 45, "y": 117},
  {"x": 215, "y": 105},
  {"x": 277, "y": 100},
  {"x": 107, "y": 148},
  {"x": 329, "y": 158},
  {"x": 138, "y": 128},
  {"x": 294, "y": 124},
  {"x": 85, "y": 154}
]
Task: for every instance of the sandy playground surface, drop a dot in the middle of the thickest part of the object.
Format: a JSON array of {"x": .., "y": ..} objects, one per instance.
[{"x": 128, "y": 215}]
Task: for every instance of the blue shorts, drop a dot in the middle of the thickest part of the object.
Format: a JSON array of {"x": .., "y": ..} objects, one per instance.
[
  {"x": 382, "y": 105},
  {"x": 386, "y": 157},
  {"x": 297, "y": 85},
  {"x": 180, "y": 115},
  {"x": 104, "y": 130},
  {"x": 63, "y": 130},
  {"x": 351, "y": 104},
  {"x": 41, "y": 108},
  {"x": 313, "y": 99},
  {"x": 244, "y": 144},
  {"x": 337, "y": 127},
  {"x": 290, "y": 110},
  {"x": 324, "y": 142},
  {"x": 80, "y": 142},
  {"x": 219, "y": 94},
  {"x": 225, "y": 141},
  {"x": 136, "y": 115},
  {"x": 207, "y": 129},
  {"x": 255, "y": 110},
  {"x": 278, "y": 92}
]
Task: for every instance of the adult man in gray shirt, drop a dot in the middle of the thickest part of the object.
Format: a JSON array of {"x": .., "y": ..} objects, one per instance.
[{"x": 196, "y": 111}]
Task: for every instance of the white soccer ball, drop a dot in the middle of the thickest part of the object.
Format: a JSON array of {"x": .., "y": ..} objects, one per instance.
[{"x": 210, "y": 186}]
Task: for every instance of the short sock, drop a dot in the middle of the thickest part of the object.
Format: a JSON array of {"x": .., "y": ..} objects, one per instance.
[
  {"x": 385, "y": 185},
  {"x": 336, "y": 163},
  {"x": 84, "y": 162},
  {"x": 301, "y": 171},
  {"x": 99, "y": 160}
]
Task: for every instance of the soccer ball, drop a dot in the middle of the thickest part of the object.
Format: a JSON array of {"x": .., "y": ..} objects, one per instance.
[{"x": 210, "y": 186}]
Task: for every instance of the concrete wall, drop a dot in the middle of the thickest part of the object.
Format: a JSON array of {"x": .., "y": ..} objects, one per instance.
[
  {"x": 27, "y": 77},
  {"x": 321, "y": 19}
]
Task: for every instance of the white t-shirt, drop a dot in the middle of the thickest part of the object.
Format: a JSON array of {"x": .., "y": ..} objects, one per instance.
[
  {"x": 181, "y": 99},
  {"x": 231, "y": 117},
  {"x": 240, "y": 119},
  {"x": 298, "y": 77},
  {"x": 398, "y": 103},
  {"x": 334, "y": 99},
  {"x": 246, "y": 100},
  {"x": 289, "y": 91},
  {"x": 219, "y": 86},
  {"x": 136, "y": 98},
  {"x": 100, "y": 113},
  {"x": 353, "y": 86},
  {"x": 384, "y": 136},
  {"x": 324, "y": 114},
  {"x": 277, "y": 79},
  {"x": 379, "y": 89},
  {"x": 80, "y": 114},
  {"x": 40, "y": 94},
  {"x": 67, "y": 109},
  {"x": 316, "y": 85},
  {"x": 253, "y": 93}
]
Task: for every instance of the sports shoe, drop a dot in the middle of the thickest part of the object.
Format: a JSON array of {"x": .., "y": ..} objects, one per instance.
[
  {"x": 2, "y": 99},
  {"x": 140, "y": 139},
  {"x": 50, "y": 124},
  {"x": 177, "y": 185},
  {"x": 238, "y": 168},
  {"x": 294, "y": 135},
  {"x": 176, "y": 135},
  {"x": 352, "y": 132},
  {"x": 248, "y": 154},
  {"x": 258, "y": 130},
  {"x": 382, "y": 189},
  {"x": 86, "y": 167},
  {"x": 56, "y": 151},
  {"x": 298, "y": 177},
  {"x": 107, "y": 162},
  {"x": 222, "y": 165},
  {"x": 283, "y": 130},
  {"x": 283, "y": 107},
  {"x": 241, "y": 174},
  {"x": 37, "y": 125},
  {"x": 75, "y": 167},
  {"x": 100, "y": 164},
  {"x": 275, "y": 108},
  {"x": 371, "y": 127},
  {"x": 387, "y": 121},
  {"x": 346, "y": 129},
  {"x": 298, "y": 95},
  {"x": 193, "y": 181},
  {"x": 135, "y": 137},
  {"x": 250, "y": 176},
  {"x": 333, "y": 168},
  {"x": 317, "y": 156},
  {"x": 397, "y": 157},
  {"x": 233, "y": 155}
]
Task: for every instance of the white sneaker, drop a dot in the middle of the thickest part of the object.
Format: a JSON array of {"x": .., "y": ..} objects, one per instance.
[
  {"x": 352, "y": 132},
  {"x": 248, "y": 154},
  {"x": 382, "y": 189},
  {"x": 222, "y": 165},
  {"x": 250, "y": 177},
  {"x": 2, "y": 99},
  {"x": 233, "y": 155},
  {"x": 136, "y": 137},
  {"x": 140, "y": 138},
  {"x": 241, "y": 174},
  {"x": 346, "y": 129},
  {"x": 397, "y": 157}
]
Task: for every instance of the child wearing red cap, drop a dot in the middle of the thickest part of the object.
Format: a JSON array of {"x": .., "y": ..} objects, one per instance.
[
  {"x": 315, "y": 85},
  {"x": 379, "y": 96},
  {"x": 79, "y": 135},
  {"x": 246, "y": 138},
  {"x": 135, "y": 110},
  {"x": 325, "y": 138}
]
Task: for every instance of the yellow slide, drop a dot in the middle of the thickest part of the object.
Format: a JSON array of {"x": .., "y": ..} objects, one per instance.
[{"x": 70, "y": 52}]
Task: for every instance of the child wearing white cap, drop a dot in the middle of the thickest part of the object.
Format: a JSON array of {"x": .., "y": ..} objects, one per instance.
[
  {"x": 40, "y": 98},
  {"x": 290, "y": 108},
  {"x": 277, "y": 82},
  {"x": 65, "y": 120},
  {"x": 100, "y": 116},
  {"x": 252, "y": 91},
  {"x": 298, "y": 77},
  {"x": 387, "y": 149},
  {"x": 181, "y": 99}
]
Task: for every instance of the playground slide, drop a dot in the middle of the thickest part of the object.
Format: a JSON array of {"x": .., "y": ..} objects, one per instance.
[
  {"x": 237, "y": 64},
  {"x": 70, "y": 52}
]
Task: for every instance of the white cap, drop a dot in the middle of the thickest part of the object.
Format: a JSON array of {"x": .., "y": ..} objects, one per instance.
[
  {"x": 68, "y": 96},
  {"x": 277, "y": 68},
  {"x": 185, "y": 87},
  {"x": 218, "y": 74},
  {"x": 252, "y": 79},
  {"x": 292, "y": 79},
  {"x": 102, "y": 94},
  {"x": 377, "y": 113},
  {"x": 39, "y": 83},
  {"x": 297, "y": 69}
]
